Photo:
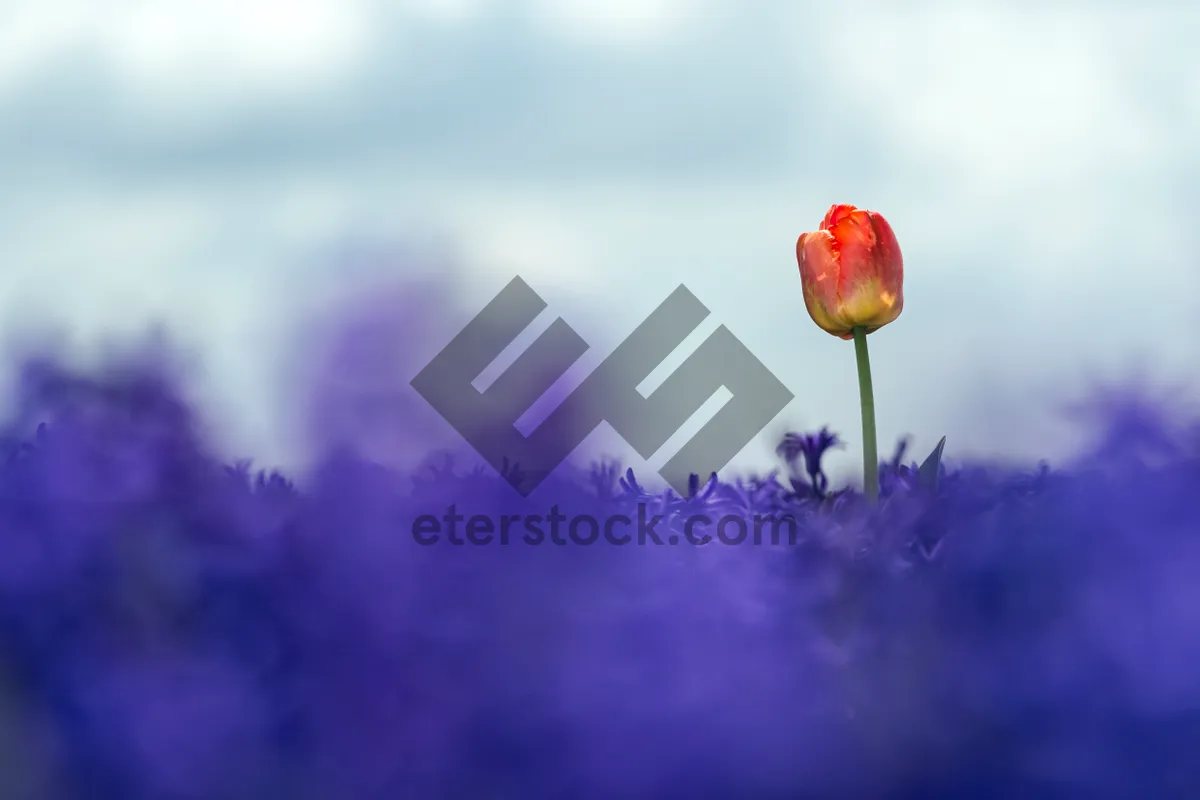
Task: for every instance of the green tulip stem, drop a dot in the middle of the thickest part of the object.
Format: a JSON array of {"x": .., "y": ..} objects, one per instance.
[{"x": 867, "y": 399}]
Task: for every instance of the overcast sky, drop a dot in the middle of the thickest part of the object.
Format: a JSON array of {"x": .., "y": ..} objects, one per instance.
[{"x": 223, "y": 165}]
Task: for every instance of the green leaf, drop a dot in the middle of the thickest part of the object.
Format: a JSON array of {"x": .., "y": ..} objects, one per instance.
[{"x": 930, "y": 470}]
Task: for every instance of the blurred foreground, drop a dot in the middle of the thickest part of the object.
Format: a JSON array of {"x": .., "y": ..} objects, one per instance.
[{"x": 176, "y": 627}]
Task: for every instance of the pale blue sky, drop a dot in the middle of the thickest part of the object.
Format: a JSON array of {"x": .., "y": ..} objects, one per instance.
[{"x": 211, "y": 164}]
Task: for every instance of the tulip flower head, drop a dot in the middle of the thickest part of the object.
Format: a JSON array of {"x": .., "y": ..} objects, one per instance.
[{"x": 851, "y": 271}]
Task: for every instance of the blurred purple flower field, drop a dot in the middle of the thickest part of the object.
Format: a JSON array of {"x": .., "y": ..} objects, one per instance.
[{"x": 175, "y": 627}]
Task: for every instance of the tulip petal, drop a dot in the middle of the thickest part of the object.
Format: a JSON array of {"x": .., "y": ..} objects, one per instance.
[
  {"x": 854, "y": 242},
  {"x": 819, "y": 278},
  {"x": 835, "y": 214},
  {"x": 888, "y": 259}
]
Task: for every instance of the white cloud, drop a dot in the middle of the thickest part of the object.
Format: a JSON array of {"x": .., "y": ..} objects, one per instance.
[
  {"x": 615, "y": 21},
  {"x": 445, "y": 11},
  {"x": 186, "y": 47},
  {"x": 550, "y": 246},
  {"x": 1007, "y": 98}
]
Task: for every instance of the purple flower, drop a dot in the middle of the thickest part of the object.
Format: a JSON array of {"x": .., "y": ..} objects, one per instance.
[{"x": 812, "y": 446}]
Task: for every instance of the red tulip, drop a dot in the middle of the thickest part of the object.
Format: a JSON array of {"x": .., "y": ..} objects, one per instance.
[{"x": 852, "y": 271}]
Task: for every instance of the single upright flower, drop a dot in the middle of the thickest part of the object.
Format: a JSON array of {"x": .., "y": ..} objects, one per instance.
[
  {"x": 851, "y": 271},
  {"x": 852, "y": 274}
]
